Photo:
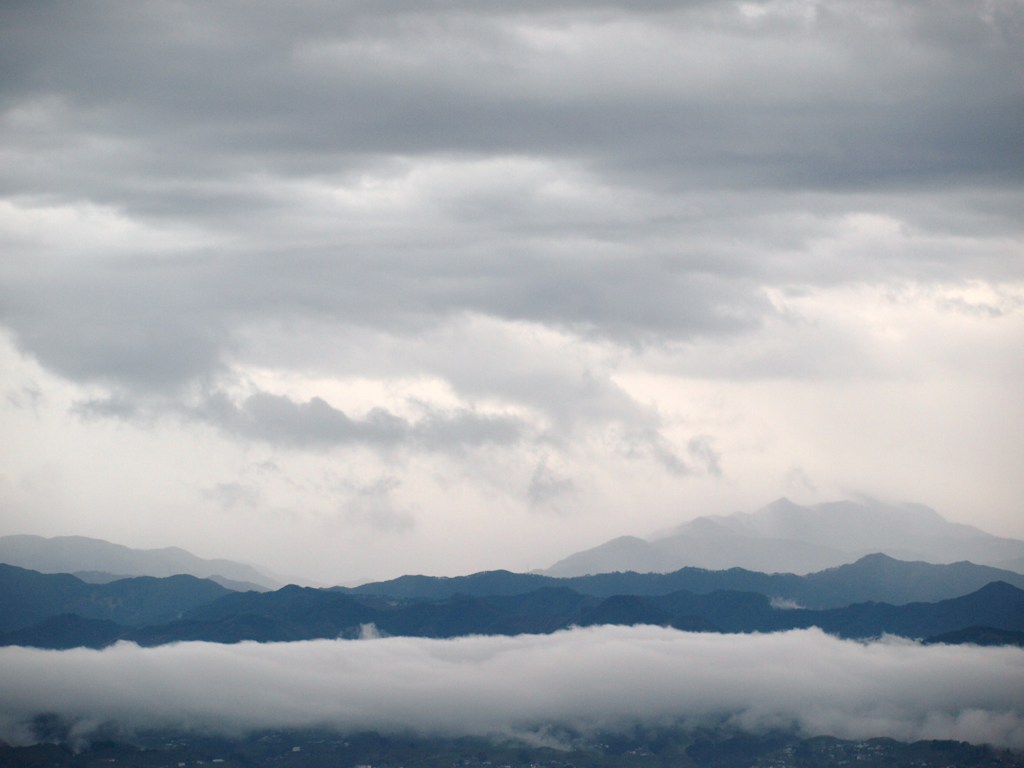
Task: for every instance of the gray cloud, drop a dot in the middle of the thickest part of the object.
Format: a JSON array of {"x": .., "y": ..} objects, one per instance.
[
  {"x": 315, "y": 423},
  {"x": 547, "y": 485},
  {"x": 27, "y": 396},
  {"x": 313, "y": 82},
  {"x": 702, "y": 450},
  {"x": 232, "y": 495},
  {"x": 146, "y": 323},
  {"x": 604, "y": 677},
  {"x": 674, "y": 138},
  {"x": 373, "y": 505}
]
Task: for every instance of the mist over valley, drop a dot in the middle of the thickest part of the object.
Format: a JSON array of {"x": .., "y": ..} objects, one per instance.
[{"x": 915, "y": 652}]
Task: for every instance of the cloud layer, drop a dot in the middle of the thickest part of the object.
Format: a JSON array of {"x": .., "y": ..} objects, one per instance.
[
  {"x": 630, "y": 172},
  {"x": 535, "y": 261},
  {"x": 606, "y": 677}
]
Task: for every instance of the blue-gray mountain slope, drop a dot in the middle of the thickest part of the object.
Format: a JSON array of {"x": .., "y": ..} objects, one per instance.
[{"x": 784, "y": 537}]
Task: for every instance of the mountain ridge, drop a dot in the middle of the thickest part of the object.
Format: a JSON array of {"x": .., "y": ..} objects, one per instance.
[
  {"x": 61, "y": 611},
  {"x": 69, "y": 554},
  {"x": 28, "y": 597},
  {"x": 876, "y": 577},
  {"x": 301, "y": 613},
  {"x": 786, "y": 537}
]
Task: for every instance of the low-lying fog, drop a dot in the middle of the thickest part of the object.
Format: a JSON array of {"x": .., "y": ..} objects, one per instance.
[{"x": 601, "y": 677}]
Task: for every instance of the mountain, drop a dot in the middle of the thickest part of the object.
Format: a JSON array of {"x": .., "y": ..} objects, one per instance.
[
  {"x": 93, "y": 619},
  {"x": 28, "y": 597},
  {"x": 875, "y": 577},
  {"x": 787, "y": 537},
  {"x": 997, "y": 605},
  {"x": 880, "y": 578},
  {"x": 302, "y": 613},
  {"x": 435, "y": 587},
  {"x": 68, "y": 554},
  {"x": 68, "y": 630},
  {"x": 978, "y": 636},
  {"x": 484, "y": 583},
  {"x": 101, "y": 577},
  {"x": 291, "y": 613}
]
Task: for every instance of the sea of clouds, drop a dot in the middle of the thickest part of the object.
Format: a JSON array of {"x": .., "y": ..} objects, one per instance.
[{"x": 584, "y": 679}]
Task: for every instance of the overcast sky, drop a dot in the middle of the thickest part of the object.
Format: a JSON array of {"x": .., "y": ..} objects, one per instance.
[{"x": 351, "y": 289}]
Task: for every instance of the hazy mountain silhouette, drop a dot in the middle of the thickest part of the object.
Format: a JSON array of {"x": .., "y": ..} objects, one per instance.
[
  {"x": 68, "y": 554},
  {"x": 786, "y": 537}
]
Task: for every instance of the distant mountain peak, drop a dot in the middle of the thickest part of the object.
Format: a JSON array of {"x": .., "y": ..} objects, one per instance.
[{"x": 784, "y": 536}]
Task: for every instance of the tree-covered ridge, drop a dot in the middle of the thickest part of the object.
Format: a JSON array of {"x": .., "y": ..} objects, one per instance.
[{"x": 60, "y": 611}]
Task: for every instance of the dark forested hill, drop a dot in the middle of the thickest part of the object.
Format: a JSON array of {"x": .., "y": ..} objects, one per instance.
[
  {"x": 67, "y": 630},
  {"x": 296, "y": 613},
  {"x": 58, "y": 611},
  {"x": 998, "y": 605},
  {"x": 28, "y": 597},
  {"x": 877, "y": 578}
]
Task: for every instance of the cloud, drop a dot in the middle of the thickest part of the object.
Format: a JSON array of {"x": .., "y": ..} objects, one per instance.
[
  {"x": 362, "y": 167},
  {"x": 607, "y": 677},
  {"x": 232, "y": 495},
  {"x": 373, "y": 505},
  {"x": 315, "y": 424},
  {"x": 279, "y": 419},
  {"x": 547, "y": 484},
  {"x": 702, "y": 450}
]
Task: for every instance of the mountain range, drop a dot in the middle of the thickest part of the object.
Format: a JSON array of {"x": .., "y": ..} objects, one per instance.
[
  {"x": 876, "y": 577},
  {"x": 28, "y": 597},
  {"x": 781, "y": 538},
  {"x": 854, "y": 569},
  {"x": 62, "y": 611},
  {"x": 788, "y": 537},
  {"x": 99, "y": 561},
  {"x": 299, "y": 613}
]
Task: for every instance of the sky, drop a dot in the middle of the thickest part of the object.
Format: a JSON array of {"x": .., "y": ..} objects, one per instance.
[
  {"x": 354, "y": 289},
  {"x": 530, "y": 686}
]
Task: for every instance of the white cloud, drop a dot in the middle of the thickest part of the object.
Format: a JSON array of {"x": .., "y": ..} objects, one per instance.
[{"x": 607, "y": 677}]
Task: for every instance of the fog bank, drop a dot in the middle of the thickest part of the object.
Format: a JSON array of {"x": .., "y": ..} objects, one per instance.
[{"x": 604, "y": 677}]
